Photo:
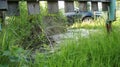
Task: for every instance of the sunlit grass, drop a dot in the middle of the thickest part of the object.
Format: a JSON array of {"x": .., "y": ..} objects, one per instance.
[
  {"x": 98, "y": 49},
  {"x": 95, "y": 24}
]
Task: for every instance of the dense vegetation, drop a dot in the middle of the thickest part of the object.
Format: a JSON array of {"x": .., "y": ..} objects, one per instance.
[{"x": 22, "y": 38}]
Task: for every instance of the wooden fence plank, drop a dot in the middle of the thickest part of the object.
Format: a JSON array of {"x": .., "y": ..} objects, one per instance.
[
  {"x": 2, "y": 18},
  {"x": 105, "y": 6},
  {"x": 53, "y": 7},
  {"x": 65, "y": 0},
  {"x": 69, "y": 6},
  {"x": 3, "y": 5},
  {"x": 94, "y": 6},
  {"x": 100, "y": 0},
  {"x": 83, "y": 5},
  {"x": 33, "y": 8},
  {"x": 13, "y": 9}
]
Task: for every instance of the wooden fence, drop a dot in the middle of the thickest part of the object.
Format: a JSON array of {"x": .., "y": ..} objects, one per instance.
[{"x": 12, "y": 6}]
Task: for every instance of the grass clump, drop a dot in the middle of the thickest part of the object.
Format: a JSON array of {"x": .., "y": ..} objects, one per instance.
[
  {"x": 20, "y": 35},
  {"x": 98, "y": 50},
  {"x": 26, "y": 32},
  {"x": 11, "y": 55},
  {"x": 95, "y": 24}
]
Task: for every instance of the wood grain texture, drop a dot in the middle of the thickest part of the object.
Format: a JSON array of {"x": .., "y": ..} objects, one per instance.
[
  {"x": 53, "y": 7},
  {"x": 33, "y": 8},
  {"x": 3, "y": 5},
  {"x": 83, "y": 6},
  {"x": 94, "y": 6},
  {"x": 105, "y": 6},
  {"x": 13, "y": 9},
  {"x": 69, "y": 6},
  {"x": 64, "y": 0}
]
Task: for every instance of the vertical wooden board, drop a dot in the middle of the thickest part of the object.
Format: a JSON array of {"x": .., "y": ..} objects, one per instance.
[
  {"x": 33, "y": 7},
  {"x": 3, "y": 5},
  {"x": 0, "y": 20},
  {"x": 105, "y": 6},
  {"x": 13, "y": 8},
  {"x": 53, "y": 7},
  {"x": 94, "y": 6},
  {"x": 83, "y": 5},
  {"x": 2, "y": 16},
  {"x": 69, "y": 6}
]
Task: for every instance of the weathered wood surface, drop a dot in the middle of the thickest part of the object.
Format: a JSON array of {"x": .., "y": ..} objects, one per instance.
[
  {"x": 83, "y": 6},
  {"x": 105, "y": 6},
  {"x": 53, "y": 7},
  {"x": 33, "y": 8},
  {"x": 69, "y": 6},
  {"x": 96, "y": 0},
  {"x": 64, "y": 0},
  {"x": 3, "y": 5},
  {"x": 13, "y": 9},
  {"x": 2, "y": 17},
  {"x": 12, "y": 6},
  {"x": 95, "y": 6}
]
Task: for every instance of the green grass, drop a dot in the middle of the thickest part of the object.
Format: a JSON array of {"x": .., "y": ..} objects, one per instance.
[
  {"x": 16, "y": 38},
  {"x": 95, "y": 24},
  {"x": 21, "y": 37},
  {"x": 99, "y": 49}
]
